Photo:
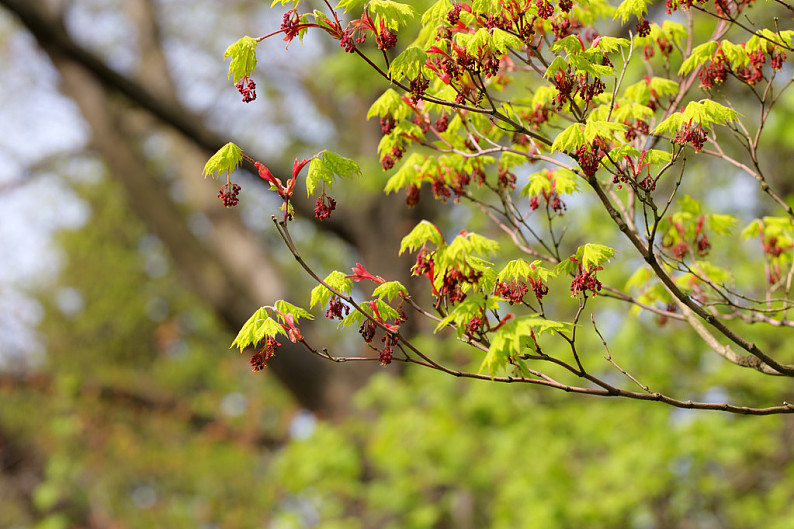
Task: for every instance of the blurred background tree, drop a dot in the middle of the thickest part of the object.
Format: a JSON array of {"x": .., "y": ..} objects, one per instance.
[{"x": 125, "y": 408}]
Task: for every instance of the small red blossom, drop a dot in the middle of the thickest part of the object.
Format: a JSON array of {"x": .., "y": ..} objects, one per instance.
[
  {"x": 293, "y": 333},
  {"x": 360, "y": 273},
  {"x": 388, "y": 326},
  {"x": 265, "y": 174},
  {"x": 324, "y": 206}
]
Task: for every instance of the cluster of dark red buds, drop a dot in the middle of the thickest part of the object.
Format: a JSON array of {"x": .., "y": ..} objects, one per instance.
[
  {"x": 665, "y": 47},
  {"x": 454, "y": 14},
  {"x": 441, "y": 123},
  {"x": 387, "y": 124},
  {"x": 695, "y": 135},
  {"x": 324, "y": 206},
  {"x": 643, "y": 28},
  {"x": 671, "y": 308},
  {"x": 586, "y": 280},
  {"x": 440, "y": 188},
  {"x": 506, "y": 180},
  {"x": 776, "y": 62},
  {"x": 538, "y": 288},
  {"x": 349, "y": 40},
  {"x": 513, "y": 292},
  {"x": 754, "y": 72},
  {"x": 590, "y": 89},
  {"x": 412, "y": 196},
  {"x": 367, "y": 330},
  {"x": 337, "y": 309},
  {"x": 538, "y": 116},
  {"x": 388, "y": 160},
  {"x": 386, "y": 39},
  {"x": 772, "y": 248},
  {"x": 228, "y": 192},
  {"x": 425, "y": 266},
  {"x": 552, "y": 198},
  {"x": 290, "y": 25},
  {"x": 417, "y": 87},
  {"x": 633, "y": 129},
  {"x": 565, "y": 84},
  {"x": 545, "y": 8},
  {"x": 268, "y": 350},
  {"x": 680, "y": 247},
  {"x": 452, "y": 284},
  {"x": 589, "y": 158},
  {"x": 247, "y": 89},
  {"x": 675, "y": 5},
  {"x": 475, "y": 325},
  {"x": 715, "y": 72},
  {"x": 389, "y": 340}
]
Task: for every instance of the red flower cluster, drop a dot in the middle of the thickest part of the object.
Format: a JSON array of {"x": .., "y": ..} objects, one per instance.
[
  {"x": 695, "y": 135},
  {"x": 268, "y": 350},
  {"x": 324, "y": 206},
  {"x": 228, "y": 192},
  {"x": 247, "y": 89},
  {"x": 586, "y": 280},
  {"x": 513, "y": 291},
  {"x": 337, "y": 309},
  {"x": 715, "y": 72}
]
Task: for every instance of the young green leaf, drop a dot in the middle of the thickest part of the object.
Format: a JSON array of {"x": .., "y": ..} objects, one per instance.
[
  {"x": 410, "y": 63},
  {"x": 337, "y": 281},
  {"x": 243, "y": 54},
  {"x": 422, "y": 233},
  {"x": 700, "y": 55},
  {"x": 225, "y": 160},
  {"x": 474, "y": 305},
  {"x": 556, "y": 65},
  {"x": 571, "y": 44},
  {"x": 347, "y": 5},
  {"x": 752, "y": 230},
  {"x": 639, "y": 278},
  {"x": 592, "y": 254},
  {"x": 508, "y": 160},
  {"x": 721, "y": 224},
  {"x": 407, "y": 174},
  {"x": 610, "y": 44},
  {"x": 664, "y": 87},
  {"x": 389, "y": 104},
  {"x": 390, "y": 290},
  {"x": 285, "y": 307},
  {"x": 437, "y": 13},
  {"x": 638, "y": 8},
  {"x": 258, "y": 326},
  {"x": 394, "y": 14},
  {"x": 513, "y": 339},
  {"x": 515, "y": 269},
  {"x": 502, "y": 40},
  {"x": 569, "y": 140},
  {"x": 327, "y": 165},
  {"x": 485, "y": 6}
]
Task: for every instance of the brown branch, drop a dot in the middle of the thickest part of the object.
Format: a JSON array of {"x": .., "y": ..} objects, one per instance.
[{"x": 648, "y": 254}]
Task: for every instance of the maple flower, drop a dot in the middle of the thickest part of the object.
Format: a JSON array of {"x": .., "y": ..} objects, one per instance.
[
  {"x": 296, "y": 168},
  {"x": 265, "y": 174},
  {"x": 359, "y": 274},
  {"x": 293, "y": 333},
  {"x": 388, "y": 326}
]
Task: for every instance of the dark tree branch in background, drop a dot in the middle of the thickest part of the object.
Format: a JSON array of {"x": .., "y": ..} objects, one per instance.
[{"x": 213, "y": 426}]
